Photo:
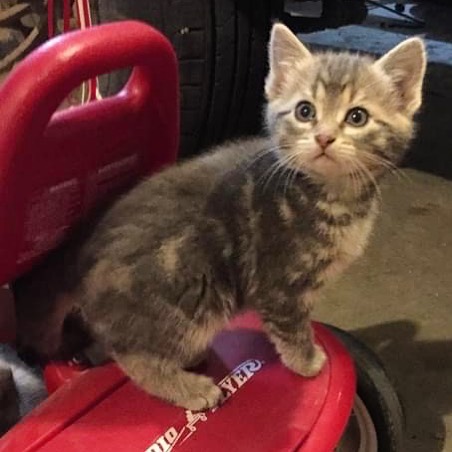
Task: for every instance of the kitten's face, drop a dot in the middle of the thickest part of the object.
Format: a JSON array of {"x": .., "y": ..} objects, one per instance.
[{"x": 342, "y": 115}]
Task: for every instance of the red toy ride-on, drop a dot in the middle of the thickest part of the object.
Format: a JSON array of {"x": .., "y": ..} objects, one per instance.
[{"x": 55, "y": 167}]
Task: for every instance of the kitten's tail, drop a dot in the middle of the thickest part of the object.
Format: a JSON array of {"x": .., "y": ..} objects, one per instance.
[{"x": 9, "y": 401}]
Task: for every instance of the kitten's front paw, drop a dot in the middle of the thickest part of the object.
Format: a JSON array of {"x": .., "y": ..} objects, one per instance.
[
  {"x": 202, "y": 394},
  {"x": 306, "y": 367}
]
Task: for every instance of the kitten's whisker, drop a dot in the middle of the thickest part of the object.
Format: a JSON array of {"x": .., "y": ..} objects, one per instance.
[
  {"x": 354, "y": 177},
  {"x": 363, "y": 175},
  {"x": 351, "y": 181},
  {"x": 293, "y": 176},
  {"x": 371, "y": 178},
  {"x": 268, "y": 174},
  {"x": 260, "y": 155},
  {"x": 355, "y": 174},
  {"x": 378, "y": 160},
  {"x": 283, "y": 170},
  {"x": 263, "y": 153},
  {"x": 292, "y": 171},
  {"x": 387, "y": 164},
  {"x": 359, "y": 179},
  {"x": 280, "y": 164},
  {"x": 358, "y": 182}
]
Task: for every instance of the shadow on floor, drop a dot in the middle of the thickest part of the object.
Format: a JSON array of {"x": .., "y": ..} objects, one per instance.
[{"x": 422, "y": 372}]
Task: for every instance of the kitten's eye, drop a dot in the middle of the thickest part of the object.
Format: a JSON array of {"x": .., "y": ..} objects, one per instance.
[
  {"x": 357, "y": 117},
  {"x": 305, "y": 111}
]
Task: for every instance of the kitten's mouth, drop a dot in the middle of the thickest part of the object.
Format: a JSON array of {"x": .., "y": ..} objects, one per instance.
[
  {"x": 324, "y": 162},
  {"x": 323, "y": 155}
]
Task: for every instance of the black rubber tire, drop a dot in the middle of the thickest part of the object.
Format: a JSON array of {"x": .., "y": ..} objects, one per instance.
[
  {"x": 222, "y": 51},
  {"x": 20, "y": 38},
  {"x": 377, "y": 392}
]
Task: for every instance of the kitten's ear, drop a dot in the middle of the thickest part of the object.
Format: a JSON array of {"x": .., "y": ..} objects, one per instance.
[
  {"x": 406, "y": 64},
  {"x": 284, "y": 50}
]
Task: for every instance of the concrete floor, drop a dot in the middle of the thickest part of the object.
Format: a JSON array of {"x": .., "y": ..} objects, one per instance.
[{"x": 398, "y": 300}]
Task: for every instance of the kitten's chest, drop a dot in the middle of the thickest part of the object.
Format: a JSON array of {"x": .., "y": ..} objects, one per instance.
[{"x": 347, "y": 242}]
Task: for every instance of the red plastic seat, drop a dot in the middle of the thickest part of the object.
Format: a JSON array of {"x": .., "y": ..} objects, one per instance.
[
  {"x": 53, "y": 169},
  {"x": 268, "y": 408}
]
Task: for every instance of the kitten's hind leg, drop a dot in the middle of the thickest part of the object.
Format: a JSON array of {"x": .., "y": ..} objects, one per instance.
[
  {"x": 289, "y": 328},
  {"x": 168, "y": 381}
]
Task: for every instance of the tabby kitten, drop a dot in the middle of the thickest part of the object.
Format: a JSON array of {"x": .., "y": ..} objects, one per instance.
[{"x": 261, "y": 224}]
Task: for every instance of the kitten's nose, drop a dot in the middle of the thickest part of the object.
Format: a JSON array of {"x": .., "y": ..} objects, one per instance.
[{"x": 324, "y": 140}]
